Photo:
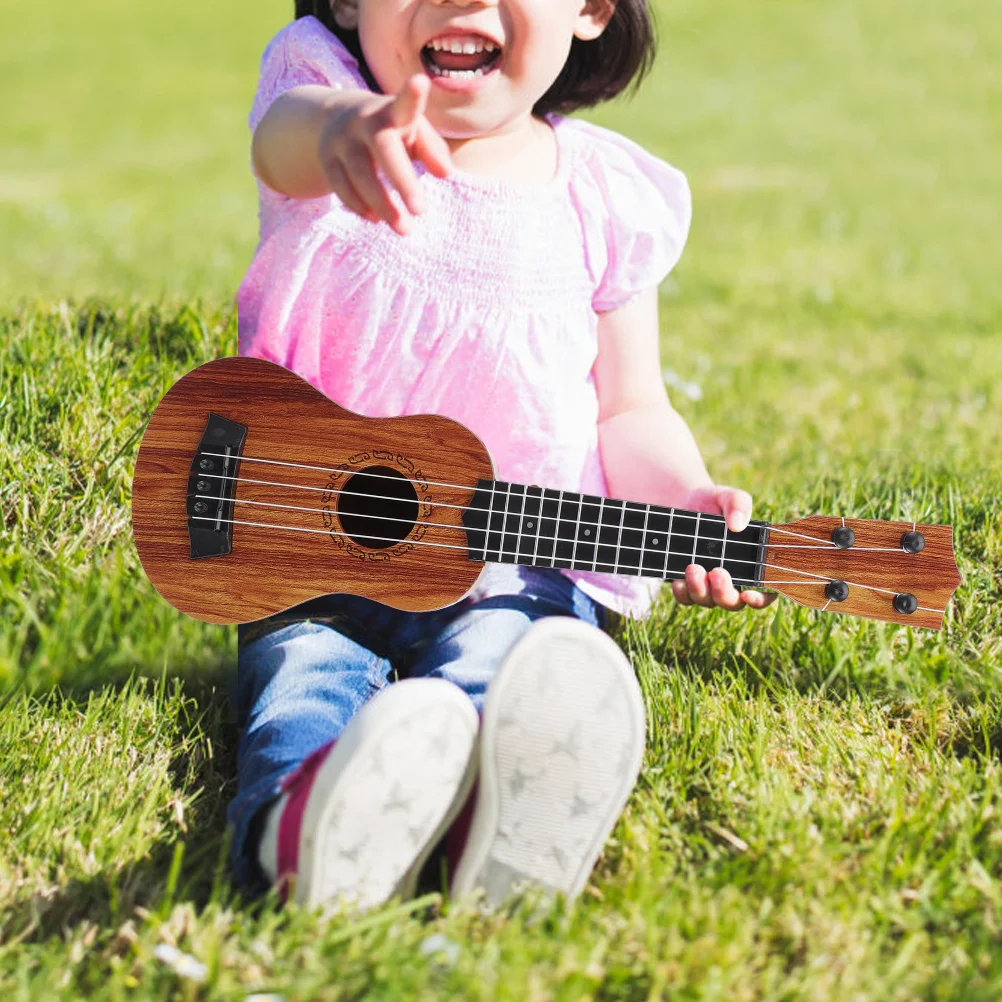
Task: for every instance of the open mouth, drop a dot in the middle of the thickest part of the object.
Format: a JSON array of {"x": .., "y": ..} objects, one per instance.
[{"x": 460, "y": 56}]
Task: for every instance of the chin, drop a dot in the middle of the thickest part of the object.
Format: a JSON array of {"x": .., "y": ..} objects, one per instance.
[{"x": 466, "y": 123}]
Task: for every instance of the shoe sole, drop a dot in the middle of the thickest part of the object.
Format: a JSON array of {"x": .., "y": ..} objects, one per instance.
[
  {"x": 394, "y": 781},
  {"x": 561, "y": 745}
]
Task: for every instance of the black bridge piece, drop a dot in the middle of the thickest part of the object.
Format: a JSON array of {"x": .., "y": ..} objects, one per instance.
[{"x": 212, "y": 486}]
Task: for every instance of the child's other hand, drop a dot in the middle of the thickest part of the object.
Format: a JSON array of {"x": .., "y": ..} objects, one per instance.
[
  {"x": 716, "y": 588},
  {"x": 385, "y": 133}
]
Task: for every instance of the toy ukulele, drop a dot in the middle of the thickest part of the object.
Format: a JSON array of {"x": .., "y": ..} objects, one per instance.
[{"x": 253, "y": 492}]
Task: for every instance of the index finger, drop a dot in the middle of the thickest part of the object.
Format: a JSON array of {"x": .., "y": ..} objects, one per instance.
[
  {"x": 388, "y": 150},
  {"x": 409, "y": 105}
]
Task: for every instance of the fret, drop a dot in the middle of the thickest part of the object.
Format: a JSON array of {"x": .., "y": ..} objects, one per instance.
[
  {"x": 504, "y": 521},
  {"x": 695, "y": 538},
  {"x": 512, "y": 523},
  {"x": 518, "y": 531},
  {"x": 549, "y": 511},
  {"x": 671, "y": 520},
  {"x": 723, "y": 546},
  {"x": 556, "y": 530},
  {"x": 631, "y": 538},
  {"x": 570, "y": 506},
  {"x": 577, "y": 534},
  {"x": 744, "y": 553},
  {"x": 495, "y": 526},
  {"x": 680, "y": 543},
  {"x": 598, "y": 533},
  {"x": 643, "y": 538},
  {"x": 619, "y": 539},
  {"x": 588, "y": 528},
  {"x": 487, "y": 524},
  {"x": 656, "y": 541},
  {"x": 608, "y": 536},
  {"x": 533, "y": 506},
  {"x": 710, "y": 542}
]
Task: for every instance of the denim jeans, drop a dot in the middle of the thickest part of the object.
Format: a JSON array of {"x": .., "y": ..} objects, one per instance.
[{"x": 302, "y": 676}]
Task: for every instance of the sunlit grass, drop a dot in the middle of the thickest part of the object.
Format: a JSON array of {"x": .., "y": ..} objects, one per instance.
[{"x": 818, "y": 813}]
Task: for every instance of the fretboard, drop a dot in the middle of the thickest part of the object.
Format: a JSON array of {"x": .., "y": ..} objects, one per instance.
[{"x": 515, "y": 524}]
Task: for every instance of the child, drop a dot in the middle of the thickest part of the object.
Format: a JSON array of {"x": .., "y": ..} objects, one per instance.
[{"x": 437, "y": 238}]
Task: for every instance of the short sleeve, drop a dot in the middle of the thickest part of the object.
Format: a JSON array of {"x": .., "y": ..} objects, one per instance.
[
  {"x": 303, "y": 52},
  {"x": 635, "y": 209}
]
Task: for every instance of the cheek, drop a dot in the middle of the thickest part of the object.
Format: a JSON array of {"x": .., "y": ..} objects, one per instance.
[
  {"x": 545, "y": 44},
  {"x": 383, "y": 45}
]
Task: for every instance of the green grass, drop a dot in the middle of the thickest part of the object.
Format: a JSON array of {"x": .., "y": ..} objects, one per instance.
[{"x": 820, "y": 811}]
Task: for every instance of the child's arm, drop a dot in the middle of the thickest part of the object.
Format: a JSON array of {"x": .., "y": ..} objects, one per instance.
[
  {"x": 315, "y": 140},
  {"x": 648, "y": 452}
]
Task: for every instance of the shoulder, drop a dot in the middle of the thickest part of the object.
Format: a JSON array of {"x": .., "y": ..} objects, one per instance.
[
  {"x": 623, "y": 177},
  {"x": 634, "y": 208},
  {"x": 303, "y": 52},
  {"x": 307, "y": 44}
]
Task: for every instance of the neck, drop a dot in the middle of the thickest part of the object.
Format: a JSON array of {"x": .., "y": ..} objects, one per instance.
[
  {"x": 523, "y": 151},
  {"x": 512, "y": 523}
]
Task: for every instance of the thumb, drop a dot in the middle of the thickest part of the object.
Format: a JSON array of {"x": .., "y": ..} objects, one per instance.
[
  {"x": 409, "y": 105},
  {"x": 737, "y": 505}
]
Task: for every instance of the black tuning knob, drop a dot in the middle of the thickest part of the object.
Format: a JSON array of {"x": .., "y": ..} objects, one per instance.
[
  {"x": 905, "y": 603},
  {"x": 837, "y": 591},
  {"x": 913, "y": 542},
  {"x": 843, "y": 537}
]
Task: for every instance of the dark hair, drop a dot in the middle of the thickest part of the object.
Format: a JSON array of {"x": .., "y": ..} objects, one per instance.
[{"x": 595, "y": 71}]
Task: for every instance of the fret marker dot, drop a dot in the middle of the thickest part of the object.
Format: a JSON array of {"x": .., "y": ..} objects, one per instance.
[
  {"x": 587, "y": 532},
  {"x": 655, "y": 540},
  {"x": 529, "y": 524}
]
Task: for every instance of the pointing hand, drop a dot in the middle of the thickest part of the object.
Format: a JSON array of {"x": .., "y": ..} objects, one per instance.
[{"x": 383, "y": 133}]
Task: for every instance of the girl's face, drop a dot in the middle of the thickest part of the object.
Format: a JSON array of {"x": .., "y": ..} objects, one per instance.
[{"x": 489, "y": 61}]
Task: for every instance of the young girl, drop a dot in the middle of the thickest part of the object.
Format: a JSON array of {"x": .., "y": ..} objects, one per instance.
[{"x": 436, "y": 237}]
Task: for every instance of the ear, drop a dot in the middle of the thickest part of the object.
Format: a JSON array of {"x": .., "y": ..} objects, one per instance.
[
  {"x": 345, "y": 13},
  {"x": 594, "y": 16}
]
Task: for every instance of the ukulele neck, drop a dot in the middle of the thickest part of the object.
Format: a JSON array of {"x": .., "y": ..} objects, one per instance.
[{"x": 515, "y": 524}]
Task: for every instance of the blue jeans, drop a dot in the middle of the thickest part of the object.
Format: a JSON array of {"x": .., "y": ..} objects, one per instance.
[{"x": 303, "y": 675}]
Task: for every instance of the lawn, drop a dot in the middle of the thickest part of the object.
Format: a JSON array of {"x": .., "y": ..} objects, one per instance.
[{"x": 820, "y": 811}]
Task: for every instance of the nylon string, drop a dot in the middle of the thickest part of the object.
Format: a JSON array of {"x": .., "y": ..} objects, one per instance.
[
  {"x": 639, "y": 571},
  {"x": 503, "y": 531},
  {"x": 462, "y": 487}
]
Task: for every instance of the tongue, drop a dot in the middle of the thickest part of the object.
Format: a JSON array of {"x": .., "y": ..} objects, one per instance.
[{"x": 460, "y": 60}]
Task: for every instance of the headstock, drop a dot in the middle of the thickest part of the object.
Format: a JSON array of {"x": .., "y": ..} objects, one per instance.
[{"x": 899, "y": 572}]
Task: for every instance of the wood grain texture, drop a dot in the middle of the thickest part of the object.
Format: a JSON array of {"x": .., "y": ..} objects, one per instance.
[
  {"x": 272, "y": 569},
  {"x": 875, "y": 567}
]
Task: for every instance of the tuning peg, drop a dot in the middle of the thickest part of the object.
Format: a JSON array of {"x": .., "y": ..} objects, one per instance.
[
  {"x": 843, "y": 537},
  {"x": 905, "y": 603}
]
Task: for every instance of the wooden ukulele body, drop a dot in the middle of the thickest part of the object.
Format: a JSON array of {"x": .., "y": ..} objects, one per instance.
[{"x": 272, "y": 570}]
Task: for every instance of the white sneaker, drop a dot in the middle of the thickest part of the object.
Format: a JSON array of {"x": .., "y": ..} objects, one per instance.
[
  {"x": 561, "y": 745},
  {"x": 359, "y": 817}
]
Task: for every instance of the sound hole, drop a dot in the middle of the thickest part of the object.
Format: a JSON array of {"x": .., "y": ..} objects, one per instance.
[{"x": 377, "y": 507}]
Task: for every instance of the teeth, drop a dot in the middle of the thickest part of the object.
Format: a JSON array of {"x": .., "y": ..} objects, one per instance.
[
  {"x": 458, "y": 74},
  {"x": 469, "y": 47}
]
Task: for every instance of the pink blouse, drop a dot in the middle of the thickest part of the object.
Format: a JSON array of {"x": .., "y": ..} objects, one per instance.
[{"x": 486, "y": 312}]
